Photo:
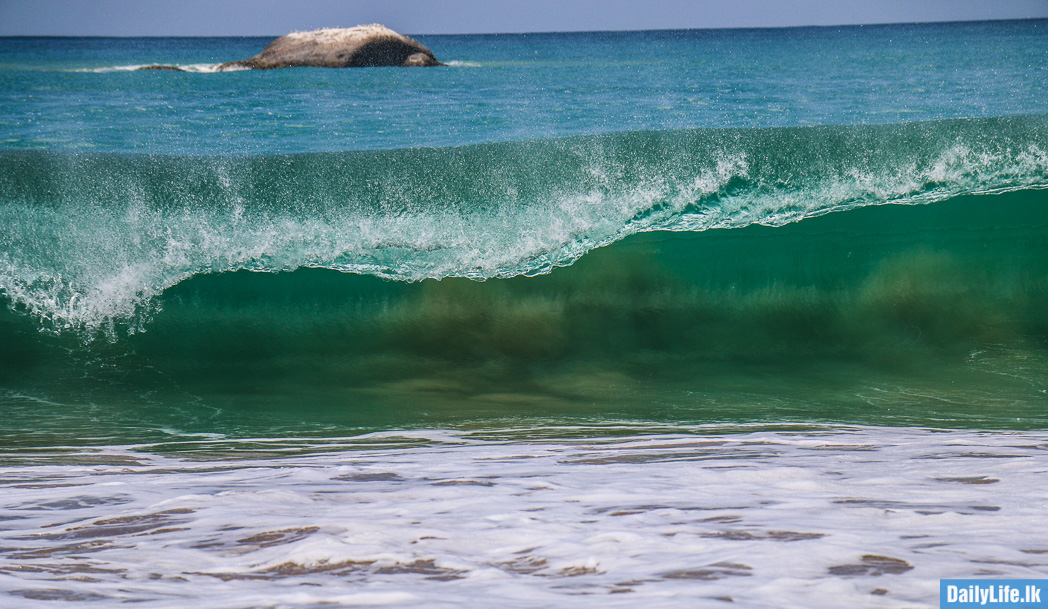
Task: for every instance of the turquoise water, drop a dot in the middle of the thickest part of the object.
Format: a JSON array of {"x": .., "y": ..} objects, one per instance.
[
  {"x": 644, "y": 219},
  {"x": 72, "y": 94},
  {"x": 578, "y": 290}
]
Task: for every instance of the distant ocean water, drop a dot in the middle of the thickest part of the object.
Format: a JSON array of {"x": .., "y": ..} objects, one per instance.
[{"x": 661, "y": 317}]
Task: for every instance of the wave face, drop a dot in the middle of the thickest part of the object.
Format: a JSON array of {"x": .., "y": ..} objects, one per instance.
[
  {"x": 92, "y": 240},
  {"x": 890, "y": 274}
]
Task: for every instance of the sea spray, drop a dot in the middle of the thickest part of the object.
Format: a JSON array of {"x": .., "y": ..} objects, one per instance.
[
  {"x": 881, "y": 313},
  {"x": 91, "y": 240}
]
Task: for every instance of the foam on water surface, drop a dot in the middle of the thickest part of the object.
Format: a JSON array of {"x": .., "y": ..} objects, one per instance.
[{"x": 762, "y": 517}]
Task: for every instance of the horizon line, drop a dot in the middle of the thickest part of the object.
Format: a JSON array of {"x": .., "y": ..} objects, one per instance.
[{"x": 740, "y": 27}]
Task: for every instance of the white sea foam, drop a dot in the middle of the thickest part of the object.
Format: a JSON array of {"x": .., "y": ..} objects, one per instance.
[
  {"x": 189, "y": 67},
  {"x": 826, "y": 517}
]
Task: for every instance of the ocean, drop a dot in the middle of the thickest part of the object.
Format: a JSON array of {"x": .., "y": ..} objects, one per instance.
[{"x": 692, "y": 318}]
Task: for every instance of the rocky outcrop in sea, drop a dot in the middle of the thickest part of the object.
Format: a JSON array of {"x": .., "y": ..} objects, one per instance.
[{"x": 357, "y": 47}]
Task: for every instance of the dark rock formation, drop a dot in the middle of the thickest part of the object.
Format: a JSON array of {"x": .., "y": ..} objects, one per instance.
[
  {"x": 361, "y": 46},
  {"x": 165, "y": 68}
]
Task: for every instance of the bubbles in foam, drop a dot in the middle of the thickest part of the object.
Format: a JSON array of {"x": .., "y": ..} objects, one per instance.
[{"x": 538, "y": 517}]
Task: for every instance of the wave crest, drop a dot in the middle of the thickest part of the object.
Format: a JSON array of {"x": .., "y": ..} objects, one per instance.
[{"x": 91, "y": 240}]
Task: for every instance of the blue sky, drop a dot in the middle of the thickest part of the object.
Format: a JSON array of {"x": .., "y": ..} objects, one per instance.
[{"x": 275, "y": 17}]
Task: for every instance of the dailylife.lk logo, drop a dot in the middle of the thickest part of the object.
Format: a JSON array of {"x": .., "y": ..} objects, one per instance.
[{"x": 970, "y": 593}]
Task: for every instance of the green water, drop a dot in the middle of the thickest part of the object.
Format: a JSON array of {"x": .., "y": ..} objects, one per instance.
[
  {"x": 903, "y": 314},
  {"x": 841, "y": 225}
]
